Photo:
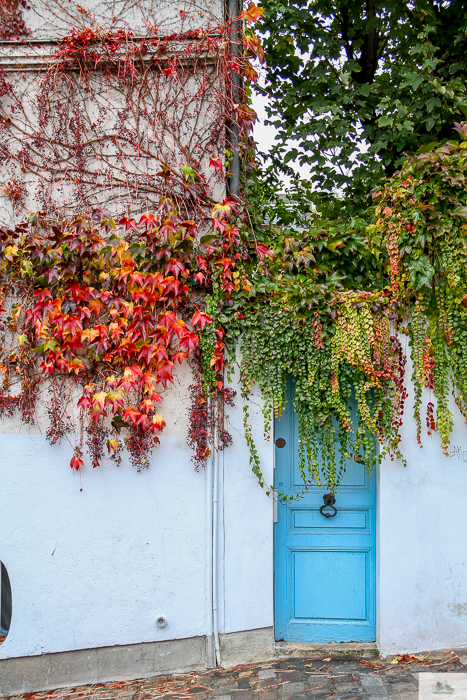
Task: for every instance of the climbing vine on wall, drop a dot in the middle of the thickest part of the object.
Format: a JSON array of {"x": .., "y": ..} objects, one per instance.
[
  {"x": 113, "y": 119},
  {"x": 421, "y": 218},
  {"x": 99, "y": 312},
  {"x": 331, "y": 302},
  {"x": 137, "y": 260},
  {"x": 12, "y": 25},
  {"x": 95, "y": 311}
]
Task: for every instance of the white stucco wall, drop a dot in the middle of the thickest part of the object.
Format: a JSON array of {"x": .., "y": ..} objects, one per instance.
[
  {"x": 249, "y": 536},
  {"x": 422, "y": 511},
  {"x": 178, "y": 116},
  {"x": 95, "y": 567},
  {"x": 95, "y": 557},
  {"x": 47, "y": 20}
]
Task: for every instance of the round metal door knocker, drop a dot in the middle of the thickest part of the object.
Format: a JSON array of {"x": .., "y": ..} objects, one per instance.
[
  {"x": 329, "y": 501},
  {"x": 280, "y": 442}
]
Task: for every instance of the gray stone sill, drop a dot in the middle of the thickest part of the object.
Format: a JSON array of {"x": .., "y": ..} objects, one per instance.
[{"x": 332, "y": 650}]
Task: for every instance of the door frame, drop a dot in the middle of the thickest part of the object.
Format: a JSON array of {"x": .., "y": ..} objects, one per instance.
[{"x": 377, "y": 477}]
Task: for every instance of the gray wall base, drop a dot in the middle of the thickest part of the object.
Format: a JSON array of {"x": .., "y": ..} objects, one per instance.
[
  {"x": 87, "y": 666},
  {"x": 246, "y": 647},
  {"x": 28, "y": 674}
]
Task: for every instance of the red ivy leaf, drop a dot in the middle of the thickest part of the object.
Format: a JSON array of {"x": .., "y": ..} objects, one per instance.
[
  {"x": 147, "y": 220},
  {"x": 84, "y": 402},
  {"x": 200, "y": 319},
  {"x": 47, "y": 367},
  {"x": 146, "y": 353},
  {"x": 131, "y": 414},
  {"x": 43, "y": 294},
  {"x": 174, "y": 266},
  {"x": 190, "y": 341},
  {"x": 262, "y": 250},
  {"x": 76, "y": 462},
  {"x": 170, "y": 72},
  {"x": 216, "y": 163},
  {"x": 157, "y": 422},
  {"x": 233, "y": 204},
  {"x": 164, "y": 373},
  {"x": 128, "y": 223},
  {"x": 167, "y": 228},
  {"x": 114, "y": 399},
  {"x": 179, "y": 356}
]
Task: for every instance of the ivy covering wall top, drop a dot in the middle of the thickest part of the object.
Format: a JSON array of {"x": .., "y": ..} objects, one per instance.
[{"x": 99, "y": 303}]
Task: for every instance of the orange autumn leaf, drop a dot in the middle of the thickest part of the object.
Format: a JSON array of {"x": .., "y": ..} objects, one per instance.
[{"x": 252, "y": 14}]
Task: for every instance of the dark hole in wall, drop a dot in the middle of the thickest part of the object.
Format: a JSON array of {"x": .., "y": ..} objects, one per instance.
[{"x": 5, "y": 602}]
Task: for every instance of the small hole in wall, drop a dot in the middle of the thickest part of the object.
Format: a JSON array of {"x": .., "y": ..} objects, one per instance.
[{"x": 5, "y": 602}]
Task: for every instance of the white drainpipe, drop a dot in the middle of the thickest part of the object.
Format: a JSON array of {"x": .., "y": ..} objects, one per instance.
[
  {"x": 210, "y": 649},
  {"x": 215, "y": 547},
  {"x": 213, "y": 658}
]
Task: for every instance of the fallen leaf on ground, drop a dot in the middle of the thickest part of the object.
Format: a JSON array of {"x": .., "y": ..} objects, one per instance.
[
  {"x": 406, "y": 659},
  {"x": 371, "y": 664}
]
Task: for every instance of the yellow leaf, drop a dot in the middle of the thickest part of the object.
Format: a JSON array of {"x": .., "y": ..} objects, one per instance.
[
  {"x": 158, "y": 421},
  {"x": 112, "y": 445},
  {"x": 253, "y": 13},
  {"x": 15, "y": 311},
  {"x": 93, "y": 334},
  {"x": 10, "y": 252},
  {"x": 221, "y": 209},
  {"x": 99, "y": 399},
  {"x": 50, "y": 344},
  {"x": 122, "y": 248},
  {"x": 75, "y": 365},
  {"x": 26, "y": 268}
]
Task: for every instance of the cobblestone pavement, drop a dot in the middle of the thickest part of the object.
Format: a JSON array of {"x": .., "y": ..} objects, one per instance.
[{"x": 290, "y": 679}]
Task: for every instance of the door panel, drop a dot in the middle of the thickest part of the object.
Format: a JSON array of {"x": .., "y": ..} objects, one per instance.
[
  {"x": 324, "y": 567},
  {"x": 345, "y": 520},
  {"x": 313, "y": 601}
]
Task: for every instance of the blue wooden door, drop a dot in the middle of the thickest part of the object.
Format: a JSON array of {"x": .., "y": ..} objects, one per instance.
[{"x": 325, "y": 568}]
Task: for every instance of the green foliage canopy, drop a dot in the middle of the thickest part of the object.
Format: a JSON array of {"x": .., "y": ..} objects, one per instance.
[
  {"x": 329, "y": 305},
  {"x": 354, "y": 85}
]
